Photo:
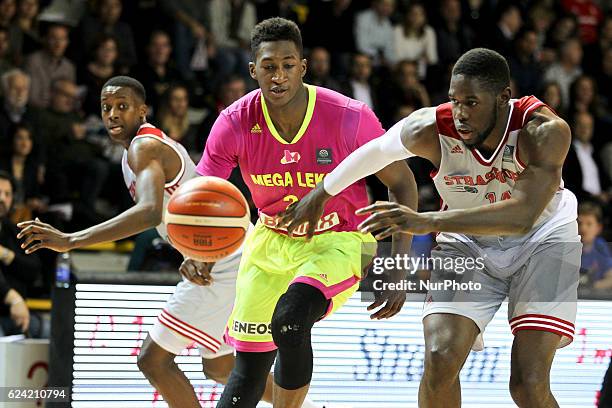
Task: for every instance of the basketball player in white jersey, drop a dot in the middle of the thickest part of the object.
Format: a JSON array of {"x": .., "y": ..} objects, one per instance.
[
  {"x": 499, "y": 164},
  {"x": 154, "y": 166}
]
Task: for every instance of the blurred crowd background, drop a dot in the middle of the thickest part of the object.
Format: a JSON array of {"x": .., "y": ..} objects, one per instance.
[{"x": 192, "y": 57}]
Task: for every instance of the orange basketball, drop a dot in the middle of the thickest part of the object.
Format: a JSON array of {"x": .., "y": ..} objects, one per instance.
[{"x": 207, "y": 219}]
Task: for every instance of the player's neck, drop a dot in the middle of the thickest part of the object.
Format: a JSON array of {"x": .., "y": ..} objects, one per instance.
[
  {"x": 489, "y": 145},
  {"x": 288, "y": 119}
]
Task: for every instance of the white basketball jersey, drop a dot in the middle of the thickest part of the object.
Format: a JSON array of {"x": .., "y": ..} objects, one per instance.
[
  {"x": 187, "y": 171},
  {"x": 467, "y": 179}
]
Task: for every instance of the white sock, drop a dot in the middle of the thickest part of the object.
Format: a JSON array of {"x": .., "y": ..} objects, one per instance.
[{"x": 309, "y": 404}]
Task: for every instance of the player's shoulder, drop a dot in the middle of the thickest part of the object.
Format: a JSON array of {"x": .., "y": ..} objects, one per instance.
[
  {"x": 147, "y": 140},
  {"x": 147, "y": 129},
  {"x": 330, "y": 100}
]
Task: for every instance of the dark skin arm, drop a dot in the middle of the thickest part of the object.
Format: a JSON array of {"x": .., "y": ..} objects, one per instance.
[
  {"x": 150, "y": 161},
  {"x": 544, "y": 140}
]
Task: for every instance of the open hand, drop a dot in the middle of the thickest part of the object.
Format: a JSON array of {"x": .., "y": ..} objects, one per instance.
[
  {"x": 390, "y": 218},
  {"x": 36, "y": 235},
  {"x": 390, "y": 300},
  {"x": 197, "y": 272}
]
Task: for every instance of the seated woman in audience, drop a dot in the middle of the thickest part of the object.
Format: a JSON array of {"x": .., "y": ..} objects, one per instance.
[
  {"x": 25, "y": 27},
  {"x": 28, "y": 174},
  {"x": 550, "y": 94},
  {"x": 415, "y": 40},
  {"x": 98, "y": 70},
  {"x": 173, "y": 117}
]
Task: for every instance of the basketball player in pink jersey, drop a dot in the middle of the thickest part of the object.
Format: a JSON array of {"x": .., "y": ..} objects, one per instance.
[
  {"x": 286, "y": 136},
  {"x": 499, "y": 166},
  {"x": 154, "y": 166}
]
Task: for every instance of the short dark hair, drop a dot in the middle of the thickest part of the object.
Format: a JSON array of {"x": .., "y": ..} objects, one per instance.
[
  {"x": 128, "y": 82},
  {"x": 488, "y": 66},
  {"x": 276, "y": 29},
  {"x": 591, "y": 208},
  {"x": 6, "y": 176}
]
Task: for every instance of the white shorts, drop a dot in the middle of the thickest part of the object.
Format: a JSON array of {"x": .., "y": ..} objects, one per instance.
[
  {"x": 542, "y": 293},
  {"x": 198, "y": 314}
]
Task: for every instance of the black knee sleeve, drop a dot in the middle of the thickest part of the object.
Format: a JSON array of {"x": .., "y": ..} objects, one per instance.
[
  {"x": 295, "y": 314},
  {"x": 247, "y": 381}
]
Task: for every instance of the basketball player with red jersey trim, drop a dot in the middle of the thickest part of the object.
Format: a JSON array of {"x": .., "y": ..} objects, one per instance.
[
  {"x": 153, "y": 166},
  {"x": 499, "y": 164},
  {"x": 286, "y": 136}
]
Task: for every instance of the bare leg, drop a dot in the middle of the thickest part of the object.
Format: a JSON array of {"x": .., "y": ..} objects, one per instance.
[
  {"x": 159, "y": 367},
  {"x": 448, "y": 340},
  {"x": 533, "y": 352},
  {"x": 289, "y": 398}
]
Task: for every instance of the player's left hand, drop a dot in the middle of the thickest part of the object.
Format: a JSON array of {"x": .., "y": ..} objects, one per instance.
[
  {"x": 390, "y": 300},
  {"x": 36, "y": 235},
  {"x": 390, "y": 218},
  {"x": 197, "y": 272}
]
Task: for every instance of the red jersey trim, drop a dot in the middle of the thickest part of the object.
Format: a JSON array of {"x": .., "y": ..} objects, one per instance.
[{"x": 444, "y": 121}]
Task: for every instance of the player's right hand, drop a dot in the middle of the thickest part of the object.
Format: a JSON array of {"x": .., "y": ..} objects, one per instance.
[
  {"x": 197, "y": 272},
  {"x": 36, "y": 235},
  {"x": 308, "y": 210}
]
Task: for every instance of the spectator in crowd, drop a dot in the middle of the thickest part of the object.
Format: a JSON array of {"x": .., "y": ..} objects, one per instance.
[
  {"x": 330, "y": 24},
  {"x": 157, "y": 73},
  {"x": 415, "y": 40},
  {"x": 523, "y": 63},
  {"x": 567, "y": 69},
  {"x": 192, "y": 26},
  {"x": 105, "y": 21},
  {"x": 584, "y": 98},
  {"x": 581, "y": 171},
  {"x": 404, "y": 90},
  {"x": 541, "y": 19},
  {"x": 100, "y": 67},
  {"x": 589, "y": 17},
  {"x": 49, "y": 64},
  {"x": 359, "y": 84},
  {"x": 550, "y": 94},
  {"x": 15, "y": 313},
  {"x": 6, "y": 59},
  {"x": 72, "y": 153},
  {"x": 453, "y": 38},
  {"x": 508, "y": 25},
  {"x": 563, "y": 29},
  {"x": 374, "y": 32},
  {"x": 21, "y": 271},
  {"x": 478, "y": 15},
  {"x": 8, "y": 10},
  {"x": 319, "y": 69},
  {"x": 231, "y": 23},
  {"x": 596, "y": 264},
  {"x": 604, "y": 78},
  {"x": 594, "y": 53},
  {"x": 25, "y": 170},
  {"x": 27, "y": 34},
  {"x": 229, "y": 91},
  {"x": 173, "y": 118},
  {"x": 279, "y": 8},
  {"x": 15, "y": 109}
]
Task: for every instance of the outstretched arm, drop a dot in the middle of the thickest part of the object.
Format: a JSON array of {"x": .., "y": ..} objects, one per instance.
[
  {"x": 145, "y": 160},
  {"x": 547, "y": 139}
]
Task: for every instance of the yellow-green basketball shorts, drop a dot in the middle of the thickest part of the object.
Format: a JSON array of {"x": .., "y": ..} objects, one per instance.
[{"x": 331, "y": 262}]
